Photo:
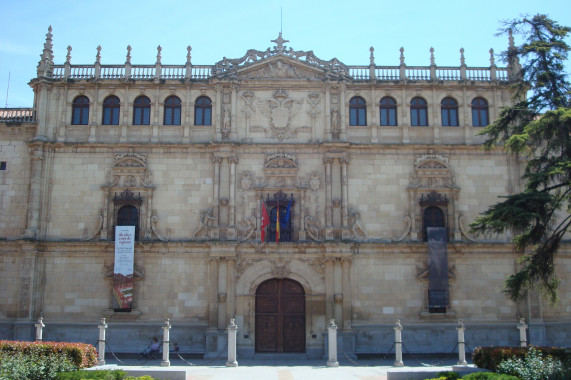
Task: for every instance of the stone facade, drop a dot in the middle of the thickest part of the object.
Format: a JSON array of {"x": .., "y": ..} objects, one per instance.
[{"x": 278, "y": 125}]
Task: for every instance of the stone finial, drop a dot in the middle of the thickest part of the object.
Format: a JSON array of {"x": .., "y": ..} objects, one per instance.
[
  {"x": 47, "y": 56},
  {"x": 128, "y": 60},
  {"x": 462, "y": 59},
  {"x": 279, "y": 43},
  {"x": 372, "y": 57},
  {"x": 98, "y": 56},
  {"x": 511, "y": 44},
  {"x": 159, "y": 49},
  {"x": 431, "y": 56},
  {"x": 68, "y": 55},
  {"x": 401, "y": 56},
  {"x": 188, "y": 55},
  {"x": 492, "y": 60},
  {"x": 460, "y": 324},
  {"x": 398, "y": 325}
]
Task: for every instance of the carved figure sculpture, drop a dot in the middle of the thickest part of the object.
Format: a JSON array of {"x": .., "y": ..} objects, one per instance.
[
  {"x": 206, "y": 220},
  {"x": 311, "y": 228},
  {"x": 226, "y": 122},
  {"x": 354, "y": 219},
  {"x": 249, "y": 228}
]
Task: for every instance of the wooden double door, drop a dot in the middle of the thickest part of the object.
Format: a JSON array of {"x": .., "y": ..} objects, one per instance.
[{"x": 280, "y": 316}]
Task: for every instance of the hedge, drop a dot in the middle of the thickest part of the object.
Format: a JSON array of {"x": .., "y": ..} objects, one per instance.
[
  {"x": 82, "y": 355},
  {"x": 491, "y": 357}
]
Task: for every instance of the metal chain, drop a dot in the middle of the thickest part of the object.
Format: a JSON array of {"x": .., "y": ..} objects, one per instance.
[{"x": 208, "y": 362}]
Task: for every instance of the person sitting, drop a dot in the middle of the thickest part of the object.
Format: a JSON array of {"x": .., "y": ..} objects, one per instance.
[{"x": 152, "y": 350}]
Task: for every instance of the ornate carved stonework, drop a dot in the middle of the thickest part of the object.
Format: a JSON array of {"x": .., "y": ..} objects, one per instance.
[{"x": 280, "y": 109}]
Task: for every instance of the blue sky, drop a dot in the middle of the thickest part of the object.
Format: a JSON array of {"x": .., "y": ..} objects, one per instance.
[{"x": 217, "y": 29}]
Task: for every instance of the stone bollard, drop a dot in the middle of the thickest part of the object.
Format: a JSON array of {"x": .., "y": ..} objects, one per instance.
[
  {"x": 39, "y": 329},
  {"x": 232, "y": 331},
  {"x": 398, "y": 344},
  {"x": 461, "y": 344},
  {"x": 166, "y": 328},
  {"x": 522, "y": 333},
  {"x": 332, "y": 337},
  {"x": 101, "y": 358}
]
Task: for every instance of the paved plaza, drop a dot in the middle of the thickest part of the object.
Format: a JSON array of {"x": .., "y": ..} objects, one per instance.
[{"x": 416, "y": 367}]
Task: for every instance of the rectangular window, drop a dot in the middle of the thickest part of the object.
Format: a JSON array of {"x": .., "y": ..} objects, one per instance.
[
  {"x": 142, "y": 116},
  {"x": 3, "y": 165}
]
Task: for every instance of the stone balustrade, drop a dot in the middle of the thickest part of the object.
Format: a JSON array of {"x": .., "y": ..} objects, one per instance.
[
  {"x": 357, "y": 73},
  {"x": 17, "y": 115}
]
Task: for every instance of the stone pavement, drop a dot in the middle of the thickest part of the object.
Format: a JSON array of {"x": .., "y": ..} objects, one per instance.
[{"x": 275, "y": 368}]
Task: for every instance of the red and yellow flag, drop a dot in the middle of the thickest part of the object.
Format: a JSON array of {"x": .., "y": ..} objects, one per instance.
[{"x": 278, "y": 224}]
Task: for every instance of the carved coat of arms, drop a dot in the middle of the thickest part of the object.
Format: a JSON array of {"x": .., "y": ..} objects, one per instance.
[{"x": 280, "y": 109}]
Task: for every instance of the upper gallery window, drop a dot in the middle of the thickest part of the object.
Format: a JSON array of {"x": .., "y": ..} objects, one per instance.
[
  {"x": 449, "y": 112},
  {"x": 111, "y": 107},
  {"x": 142, "y": 111},
  {"x": 172, "y": 111},
  {"x": 418, "y": 112},
  {"x": 479, "y": 112},
  {"x": 388, "y": 111},
  {"x": 357, "y": 111},
  {"x": 203, "y": 111},
  {"x": 80, "y": 110}
]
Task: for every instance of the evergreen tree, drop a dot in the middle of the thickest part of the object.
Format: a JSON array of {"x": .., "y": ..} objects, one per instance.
[{"x": 537, "y": 127}]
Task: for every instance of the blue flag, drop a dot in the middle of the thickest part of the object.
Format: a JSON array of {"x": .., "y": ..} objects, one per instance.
[{"x": 287, "y": 213}]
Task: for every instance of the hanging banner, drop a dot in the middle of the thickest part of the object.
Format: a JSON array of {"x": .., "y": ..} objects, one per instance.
[
  {"x": 437, "y": 267},
  {"x": 123, "y": 272}
]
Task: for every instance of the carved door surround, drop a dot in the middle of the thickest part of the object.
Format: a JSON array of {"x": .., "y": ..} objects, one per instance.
[
  {"x": 432, "y": 184},
  {"x": 129, "y": 182}
]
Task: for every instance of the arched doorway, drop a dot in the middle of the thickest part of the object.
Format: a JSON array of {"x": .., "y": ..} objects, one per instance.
[{"x": 280, "y": 316}]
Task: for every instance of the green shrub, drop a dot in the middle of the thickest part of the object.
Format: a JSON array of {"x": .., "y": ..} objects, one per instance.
[
  {"x": 489, "y": 376},
  {"x": 33, "y": 366},
  {"x": 82, "y": 355},
  {"x": 534, "y": 366},
  {"x": 491, "y": 357},
  {"x": 448, "y": 375},
  {"x": 99, "y": 375},
  {"x": 95, "y": 375}
]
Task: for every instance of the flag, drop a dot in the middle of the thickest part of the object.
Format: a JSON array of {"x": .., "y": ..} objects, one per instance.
[
  {"x": 265, "y": 219},
  {"x": 287, "y": 214},
  {"x": 278, "y": 224}
]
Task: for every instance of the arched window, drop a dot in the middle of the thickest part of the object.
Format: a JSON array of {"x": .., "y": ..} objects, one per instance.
[
  {"x": 111, "y": 107},
  {"x": 418, "y": 112},
  {"x": 128, "y": 215},
  {"x": 80, "y": 111},
  {"x": 203, "y": 111},
  {"x": 357, "y": 111},
  {"x": 433, "y": 216},
  {"x": 142, "y": 111},
  {"x": 479, "y": 112},
  {"x": 449, "y": 112},
  {"x": 172, "y": 111},
  {"x": 388, "y": 111}
]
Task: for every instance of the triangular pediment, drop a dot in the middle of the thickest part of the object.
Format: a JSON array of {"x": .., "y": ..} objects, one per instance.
[
  {"x": 279, "y": 68},
  {"x": 279, "y": 63}
]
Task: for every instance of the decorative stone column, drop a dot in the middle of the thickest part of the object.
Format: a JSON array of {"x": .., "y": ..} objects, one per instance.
[
  {"x": 39, "y": 329},
  {"x": 166, "y": 328},
  {"x": 33, "y": 220},
  {"x": 461, "y": 344},
  {"x": 398, "y": 344},
  {"x": 232, "y": 331},
  {"x": 332, "y": 346},
  {"x": 101, "y": 358},
  {"x": 213, "y": 293},
  {"x": 347, "y": 296},
  {"x": 522, "y": 332},
  {"x": 329, "y": 288},
  {"x": 328, "y": 192},
  {"x": 232, "y": 206},
  {"x": 344, "y": 189}
]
